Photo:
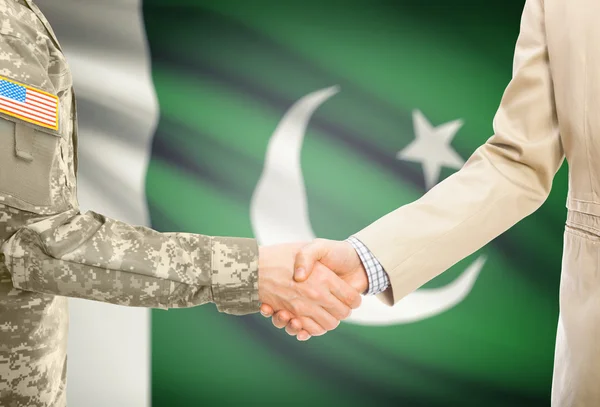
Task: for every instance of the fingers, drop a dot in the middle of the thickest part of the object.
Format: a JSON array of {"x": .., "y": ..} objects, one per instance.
[
  {"x": 306, "y": 258},
  {"x": 344, "y": 292},
  {"x": 281, "y": 319},
  {"x": 303, "y": 328},
  {"x": 344, "y": 295},
  {"x": 294, "y": 327},
  {"x": 311, "y": 327},
  {"x": 303, "y": 336},
  {"x": 316, "y": 301},
  {"x": 336, "y": 308},
  {"x": 320, "y": 292},
  {"x": 266, "y": 310},
  {"x": 325, "y": 298},
  {"x": 323, "y": 318}
]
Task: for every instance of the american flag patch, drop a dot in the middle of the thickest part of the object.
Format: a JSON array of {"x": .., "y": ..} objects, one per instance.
[{"x": 29, "y": 104}]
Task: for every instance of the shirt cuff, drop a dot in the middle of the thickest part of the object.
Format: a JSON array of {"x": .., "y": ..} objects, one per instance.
[{"x": 376, "y": 275}]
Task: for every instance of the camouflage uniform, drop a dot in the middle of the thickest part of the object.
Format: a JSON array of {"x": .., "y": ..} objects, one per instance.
[{"x": 51, "y": 251}]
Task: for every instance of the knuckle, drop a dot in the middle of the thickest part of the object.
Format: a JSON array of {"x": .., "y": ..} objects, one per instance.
[
  {"x": 358, "y": 300},
  {"x": 298, "y": 307},
  {"x": 351, "y": 298},
  {"x": 324, "y": 279},
  {"x": 331, "y": 303},
  {"x": 302, "y": 254},
  {"x": 311, "y": 293}
]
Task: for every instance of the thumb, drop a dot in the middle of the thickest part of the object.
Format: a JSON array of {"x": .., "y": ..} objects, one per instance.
[{"x": 307, "y": 257}]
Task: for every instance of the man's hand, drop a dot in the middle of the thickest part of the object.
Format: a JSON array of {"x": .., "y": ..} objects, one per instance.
[
  {"x": 318, "y": 303},
  {"x": 338, "y": 256}
]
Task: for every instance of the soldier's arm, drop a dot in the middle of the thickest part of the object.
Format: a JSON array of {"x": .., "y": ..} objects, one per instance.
[
  {"x": 48, "y": 245},
  {"x": 93, "y": 257},
  {"x": 52, "y": 247}
]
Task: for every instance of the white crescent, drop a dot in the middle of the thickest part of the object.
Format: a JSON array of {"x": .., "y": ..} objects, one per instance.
[{"x": 279, "y": 213}]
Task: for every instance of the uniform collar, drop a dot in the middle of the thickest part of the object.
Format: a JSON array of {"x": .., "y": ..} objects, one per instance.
[{"x": 44, "y": 21}]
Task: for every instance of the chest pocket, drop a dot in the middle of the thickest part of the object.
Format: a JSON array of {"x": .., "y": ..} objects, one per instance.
[{"x": 31, "y": 178}]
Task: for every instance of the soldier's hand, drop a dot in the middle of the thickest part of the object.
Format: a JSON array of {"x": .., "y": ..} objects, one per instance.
[{"x": 318, "y": 304}]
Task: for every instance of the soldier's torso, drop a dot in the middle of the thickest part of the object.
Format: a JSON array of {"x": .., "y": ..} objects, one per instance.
[{"x": 33, "y": 327}]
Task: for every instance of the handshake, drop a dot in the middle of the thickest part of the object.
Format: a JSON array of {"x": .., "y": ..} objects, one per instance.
[{"x": 310, "y": 288}]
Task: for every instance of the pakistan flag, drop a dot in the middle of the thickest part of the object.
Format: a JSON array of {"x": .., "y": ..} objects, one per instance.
[{"x": 288, "y": 120}]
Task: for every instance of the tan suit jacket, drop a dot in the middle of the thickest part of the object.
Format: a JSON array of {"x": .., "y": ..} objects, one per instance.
[{"x": 550, "y": 109}]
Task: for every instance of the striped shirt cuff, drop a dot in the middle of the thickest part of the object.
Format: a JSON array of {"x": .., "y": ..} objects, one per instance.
[{"x": 378, "y": 278}]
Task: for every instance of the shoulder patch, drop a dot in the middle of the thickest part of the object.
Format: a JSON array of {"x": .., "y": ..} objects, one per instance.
[{"x": 29, "y": 104}]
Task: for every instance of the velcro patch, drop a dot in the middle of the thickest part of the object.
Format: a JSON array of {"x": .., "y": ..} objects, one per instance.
[{"x": 29, "y": 104}]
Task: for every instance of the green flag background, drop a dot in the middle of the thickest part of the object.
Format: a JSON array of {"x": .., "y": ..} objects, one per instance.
[{"x": 225, "y": 73}]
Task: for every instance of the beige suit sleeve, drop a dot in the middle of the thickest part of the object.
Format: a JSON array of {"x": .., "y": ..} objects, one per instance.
[{"x": 505, "y": 180}]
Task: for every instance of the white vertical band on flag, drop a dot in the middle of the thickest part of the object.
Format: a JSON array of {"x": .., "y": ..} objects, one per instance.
[{"x": 105, "y": 43}]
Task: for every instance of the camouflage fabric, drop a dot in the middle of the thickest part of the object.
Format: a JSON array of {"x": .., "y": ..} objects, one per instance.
[{"x": 50, "y": 250}]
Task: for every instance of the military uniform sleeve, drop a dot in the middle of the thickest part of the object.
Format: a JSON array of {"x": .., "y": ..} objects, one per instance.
[
  {"x": 93, "y": 257},
  {"x": 51, "y": 247},
  {"x": 505, "y": 180}
]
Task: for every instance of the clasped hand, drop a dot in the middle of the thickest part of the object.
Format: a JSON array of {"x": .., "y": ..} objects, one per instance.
[{"x": 310, "y": 288}]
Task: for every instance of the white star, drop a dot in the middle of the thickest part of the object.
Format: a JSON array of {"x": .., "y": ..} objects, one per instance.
[{"x": 432, "y": 147}]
